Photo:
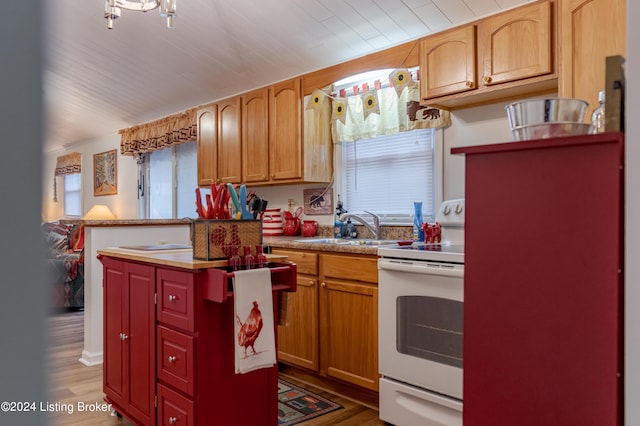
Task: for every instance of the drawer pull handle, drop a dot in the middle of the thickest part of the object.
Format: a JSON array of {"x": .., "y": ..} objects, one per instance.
[
  {"x": 172, "y": 298},
  {"x": 172, "y": 420},
  {"x": 123, "y": 336},
  {"x": 171, "y": 358}
]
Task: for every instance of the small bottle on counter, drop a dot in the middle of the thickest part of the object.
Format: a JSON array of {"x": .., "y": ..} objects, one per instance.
[
  {"x": 597, "y": 118},
  {"x": 249, "y": 260},
  {"x": 235, "y": 262},
  {"x": 418, "y": 232},
  {"x": 261, "y": 258}
]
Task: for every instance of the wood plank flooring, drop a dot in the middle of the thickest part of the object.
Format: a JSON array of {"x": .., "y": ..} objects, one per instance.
[{"x": 73, "y": 384}]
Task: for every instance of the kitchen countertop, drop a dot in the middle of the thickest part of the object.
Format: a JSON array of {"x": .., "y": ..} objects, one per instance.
[
  {"x": 294, "y": 243},
  {"x": 182, "y": 258}
]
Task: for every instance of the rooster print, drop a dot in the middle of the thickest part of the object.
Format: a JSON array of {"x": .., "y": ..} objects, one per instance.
[{"x": 250, "y": 329}]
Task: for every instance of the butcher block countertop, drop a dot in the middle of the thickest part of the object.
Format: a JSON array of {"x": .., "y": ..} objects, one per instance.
[{"x": 179, "y": 258}]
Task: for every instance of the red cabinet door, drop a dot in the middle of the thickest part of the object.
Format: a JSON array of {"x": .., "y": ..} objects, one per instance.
[
  {"x": 140, "y": 344},
  {"x": 543, "y": 282},
  {"x": 115, "y": 369},
  {"x": 129, "y": 338}
]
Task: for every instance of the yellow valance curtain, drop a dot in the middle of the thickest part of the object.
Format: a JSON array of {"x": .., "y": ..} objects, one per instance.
[
  {"x": 66, "y": 165},
  {"x": 159, "y": 134}
]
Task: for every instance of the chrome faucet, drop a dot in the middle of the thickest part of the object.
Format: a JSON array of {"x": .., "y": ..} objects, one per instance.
[{"x": 375, "y": 229}]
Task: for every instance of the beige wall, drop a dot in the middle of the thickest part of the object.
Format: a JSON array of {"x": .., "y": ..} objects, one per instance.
[{"x": 123, "y": 205}]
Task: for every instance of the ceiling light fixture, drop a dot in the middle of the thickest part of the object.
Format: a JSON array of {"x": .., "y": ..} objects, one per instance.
[{"x": 113, "y": 9}]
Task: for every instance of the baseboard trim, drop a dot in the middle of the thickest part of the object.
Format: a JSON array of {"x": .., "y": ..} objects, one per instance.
[{"x": 90, "y": 359}]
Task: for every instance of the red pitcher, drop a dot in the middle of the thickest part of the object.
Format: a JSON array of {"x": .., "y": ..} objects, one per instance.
[
  {"x": 291, "y": 227},
  {"x": 309, "y": 228}
]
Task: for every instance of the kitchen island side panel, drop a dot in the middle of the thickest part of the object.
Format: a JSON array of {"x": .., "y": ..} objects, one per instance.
[{"x": 543, "y": 276}]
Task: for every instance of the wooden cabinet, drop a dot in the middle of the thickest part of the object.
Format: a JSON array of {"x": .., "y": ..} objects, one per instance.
[
  {"x": 349, "y": 319},
  {"x": 229, "y": 148},
  {"x": 516, "y": 45},
  {"x": 503, "y": 55},
  {"x": 285, "y": 131},
  {"x": 129, "y": 339},
  {"x": 590, "y": 31},
  {"x": 448, "y": 62},
  {"x": 332, "y": 329},
  {"x": 255, "y": 136},
  {"x": 298, "y": 339},
  {"x": 207, "y": 119},
  {"x": 543, "y": 314},
  {"x": 169, "y": 336},
  {"x": 219, "y": 143}
]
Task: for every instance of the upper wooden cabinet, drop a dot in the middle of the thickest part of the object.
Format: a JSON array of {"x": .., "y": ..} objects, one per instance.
[
  {"x": 590, "y": 31},
  {"x": 255, "y": 136},
  {"x": 219, "y": 143},
  {"x": 516, "y": 45},
  {"x": 505, "y": 55},
  {"x": 448, "y": 62},
  {"x": 206, "y": 119},
  {"x": 229, "y": 140},
  {"x": 285, "y": 130}
]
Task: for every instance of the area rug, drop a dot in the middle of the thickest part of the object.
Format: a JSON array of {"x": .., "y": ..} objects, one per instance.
[{"x": 297, "y": 405}]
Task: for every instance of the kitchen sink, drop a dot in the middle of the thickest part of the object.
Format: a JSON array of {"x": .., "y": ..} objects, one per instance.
[{"x": 343, "y": 241}]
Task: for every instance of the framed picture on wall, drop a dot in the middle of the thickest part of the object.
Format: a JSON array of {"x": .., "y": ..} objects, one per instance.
[
  {"x": 318, "y": 201},
  {"x": 105, "y": 173}
]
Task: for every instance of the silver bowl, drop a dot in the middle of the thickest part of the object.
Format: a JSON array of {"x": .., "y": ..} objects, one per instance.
[
  {"x": 551, "y": 130},
  {"x": 549, "y": 110}
]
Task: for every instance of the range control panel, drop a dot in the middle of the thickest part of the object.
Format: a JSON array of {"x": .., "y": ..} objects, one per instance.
[{"x": 451, "y": 213}]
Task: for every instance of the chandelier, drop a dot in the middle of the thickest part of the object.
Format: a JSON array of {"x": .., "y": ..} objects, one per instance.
[{"x": 113, "y": 8}]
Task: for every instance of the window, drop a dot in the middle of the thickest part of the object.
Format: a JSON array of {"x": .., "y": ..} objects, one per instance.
[
  {"x": 386, "y": 174},
  {"x": 72, "y": 195},
  {"x": 387, "y": 156},
  {"x": 172, "y": 179}
]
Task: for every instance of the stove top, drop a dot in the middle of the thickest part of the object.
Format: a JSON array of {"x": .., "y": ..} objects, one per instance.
[{"x": 428, "y": 252}]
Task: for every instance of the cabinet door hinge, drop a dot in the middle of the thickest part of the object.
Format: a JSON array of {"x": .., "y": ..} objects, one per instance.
[
  {"x": 155, "y": 298},
  {"x": 156, "y": 401}
]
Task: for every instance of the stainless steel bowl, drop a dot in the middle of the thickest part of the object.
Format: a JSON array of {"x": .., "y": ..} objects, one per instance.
[
  {"x": 550, "y": 110},
  {"x": 550, "y": 130}
]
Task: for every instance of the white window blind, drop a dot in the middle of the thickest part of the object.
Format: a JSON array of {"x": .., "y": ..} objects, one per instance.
[
  {"x": 186, "y": 179},
  {"x": 386, "y": 174},
  {"x": 72, "y": 195},
  {"x": 172, "y": 182}
]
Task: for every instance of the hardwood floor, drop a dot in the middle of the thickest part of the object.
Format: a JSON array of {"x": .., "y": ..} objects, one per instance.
[{"x": 73, "y": 385}]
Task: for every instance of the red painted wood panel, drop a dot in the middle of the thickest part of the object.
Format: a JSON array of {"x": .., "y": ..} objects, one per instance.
[{"x": 543, "y": 282}]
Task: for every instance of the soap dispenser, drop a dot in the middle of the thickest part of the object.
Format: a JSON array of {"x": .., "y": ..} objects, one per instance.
[
  {"x": 338, "y": 229},
  {"x": 350, "y": 230}
]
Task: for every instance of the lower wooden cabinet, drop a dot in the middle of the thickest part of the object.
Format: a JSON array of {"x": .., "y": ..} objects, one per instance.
[
  {"x": 332, "y": 328},
  {"x": 349, "y": 319},
  {"x": 298, "y": 338}
]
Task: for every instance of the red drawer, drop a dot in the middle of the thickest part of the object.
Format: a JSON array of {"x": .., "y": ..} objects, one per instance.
[
  {"x": 176, "y": 299},
  {"x": 174, "y": 409},
  {"x": 176, "y": 359}
]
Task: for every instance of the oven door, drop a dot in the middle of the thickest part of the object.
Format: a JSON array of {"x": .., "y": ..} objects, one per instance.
[{"x": 420, "y": 323}]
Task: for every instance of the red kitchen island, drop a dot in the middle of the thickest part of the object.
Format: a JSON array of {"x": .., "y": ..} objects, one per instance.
[
  {"x": 543, "y": 298},
  {"x": 169, "y": 342}
]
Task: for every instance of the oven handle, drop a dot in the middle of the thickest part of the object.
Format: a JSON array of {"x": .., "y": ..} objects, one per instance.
[{"x": 422, "y": 267}]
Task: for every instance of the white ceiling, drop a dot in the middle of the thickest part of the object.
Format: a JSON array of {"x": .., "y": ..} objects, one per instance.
[{"x": 97, "y": 81}]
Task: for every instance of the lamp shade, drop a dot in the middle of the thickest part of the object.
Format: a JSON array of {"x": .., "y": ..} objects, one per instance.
[{"x": 99, "y": 212}]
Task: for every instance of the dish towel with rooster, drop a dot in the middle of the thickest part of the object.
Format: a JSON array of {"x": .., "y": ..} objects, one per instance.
[{"x": 255, "y": 342}]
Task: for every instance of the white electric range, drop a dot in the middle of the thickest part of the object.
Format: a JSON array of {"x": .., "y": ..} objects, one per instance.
[{"x": 420, "y": 317}]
